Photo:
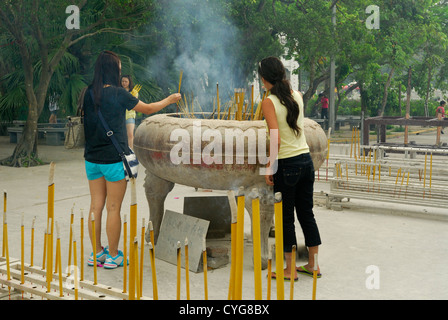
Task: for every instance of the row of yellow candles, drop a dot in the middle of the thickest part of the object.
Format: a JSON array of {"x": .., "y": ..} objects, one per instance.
[
  {"x": 237, "y": 250},
  {"x": 237, "y": 230},
  {"x": 136, "y": 277},
  {"x": 369, "y": 169},
  {"x": 187, "y": 266}
]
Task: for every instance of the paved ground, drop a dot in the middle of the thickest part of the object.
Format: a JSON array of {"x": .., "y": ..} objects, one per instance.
[{"x": 401, "y": 249}]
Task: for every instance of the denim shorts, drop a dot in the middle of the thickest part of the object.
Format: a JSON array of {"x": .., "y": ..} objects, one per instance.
[
  {"x": 130, "y": 121},
  {"x": 111, "y": 172}
]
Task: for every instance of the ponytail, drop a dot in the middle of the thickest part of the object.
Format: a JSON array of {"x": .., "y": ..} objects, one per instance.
[{"x": 273, "y": 71}]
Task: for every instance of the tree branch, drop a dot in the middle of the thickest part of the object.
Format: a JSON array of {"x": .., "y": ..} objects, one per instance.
[{"x": 109, "y": 30}]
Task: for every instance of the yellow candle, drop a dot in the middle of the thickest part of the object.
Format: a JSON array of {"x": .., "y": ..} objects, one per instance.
[
  {"x": 75, "y": 263},
  {"x": 256, "y": 244},
  {"x": 5, "y": 230},
  {"x": 32, "y": 242},
  {"x": 233, "y": 230},
  {"x": 315, "y": 276},
  {"x": 141, "y": 256},
  {"x": 204, "y": 263},
  {"x": 95, "y": 276},
  {"x": 125, "y": 253},
  {"x": 82, "y": 246},
  {"x": 70, "y": 244},
  {"x": 279, "y": 245},
  {"x": 187, "y": 276},
  {"x": 5, "y": 197},
  {"x": 44, "y": 256},
  {"x": 151, "y": 234},
  {"x": 50, "y": 216},
  {"x": 178, "y": 271},
  {"x": 58, "y": 259},
  {"x": 153, "y": 270},
  {"x": 22, "y": 251},
  {"x": 132, "y": 235},
  {"x": 293, "y": 266},
  {"x": 136, "y": 268},
  {"x": 5, "y": 245},
  {"x": 268, "y": 297},
  {"x": 239, "y": 249},
  {"x": 49, "y": 262}
]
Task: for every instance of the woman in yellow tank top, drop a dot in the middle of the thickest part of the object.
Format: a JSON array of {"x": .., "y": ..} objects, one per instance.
[
  {"x": 126, "y": 83},
  {"x": 294, "y": 178}
]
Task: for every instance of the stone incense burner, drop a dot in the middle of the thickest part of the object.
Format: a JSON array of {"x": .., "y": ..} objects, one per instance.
[{"x": 161, "y": 142}]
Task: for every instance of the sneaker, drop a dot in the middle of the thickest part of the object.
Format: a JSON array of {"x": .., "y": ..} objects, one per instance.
[
  {"x": 114, "y": 262},
  {"x": 100, "y": 258}
]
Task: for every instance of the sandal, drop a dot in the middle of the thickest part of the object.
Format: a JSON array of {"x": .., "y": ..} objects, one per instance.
[
  {"x": 274, "y": 276},
  {"x": 303, "y": 270}
]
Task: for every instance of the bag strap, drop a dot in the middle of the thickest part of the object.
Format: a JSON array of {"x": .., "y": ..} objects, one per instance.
[
  {"x": 80, "y": 109},
  {"x": 109, "y": 132}
]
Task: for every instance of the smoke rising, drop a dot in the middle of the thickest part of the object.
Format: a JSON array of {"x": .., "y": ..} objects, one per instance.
[{"x": 206, "y": 49}]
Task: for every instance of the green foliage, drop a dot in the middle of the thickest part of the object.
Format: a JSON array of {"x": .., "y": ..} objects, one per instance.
[{"x": 226, "y": 39}]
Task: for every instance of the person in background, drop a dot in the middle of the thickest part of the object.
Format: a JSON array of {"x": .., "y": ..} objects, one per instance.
[
  {"x": 283, "y": 111},
  {"x": 324, "y": 106},
  {"x": 128, "y": 85},
  {"x": 54, "y": 107},
  {"x": 103, "y": 164},
  {"x": 440, "y": 111}
]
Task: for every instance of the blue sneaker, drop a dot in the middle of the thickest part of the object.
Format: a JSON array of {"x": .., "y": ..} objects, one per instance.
[
  {"x": 114, "y": 262},
  {"x": 100, "y": 258}
]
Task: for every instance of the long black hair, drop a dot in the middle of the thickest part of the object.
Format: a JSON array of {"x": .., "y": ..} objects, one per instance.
[
  {"x": 107, "y": 72},
  {"x": 273, "y": 71}
]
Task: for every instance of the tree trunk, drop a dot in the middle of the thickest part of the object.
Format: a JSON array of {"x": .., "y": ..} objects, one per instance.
[
  {"x": 25, "y": 153},
  {"x": 386, "y": 90},
  {"x": 408, "y": 106},
  {"x": 428, "y": 86}
]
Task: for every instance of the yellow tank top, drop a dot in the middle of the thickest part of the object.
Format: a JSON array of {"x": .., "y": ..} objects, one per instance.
[
  {"x": 131, "y": 114},
  {"x": 290, "y": 144}
]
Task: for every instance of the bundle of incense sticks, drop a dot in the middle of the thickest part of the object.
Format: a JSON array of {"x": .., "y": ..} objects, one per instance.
[{"x": 136, "y": 89}]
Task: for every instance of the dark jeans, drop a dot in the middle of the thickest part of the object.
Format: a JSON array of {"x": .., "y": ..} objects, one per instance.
[
  {"x": 295, "y": 180},
  {"x": 324, "y": 113}
]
